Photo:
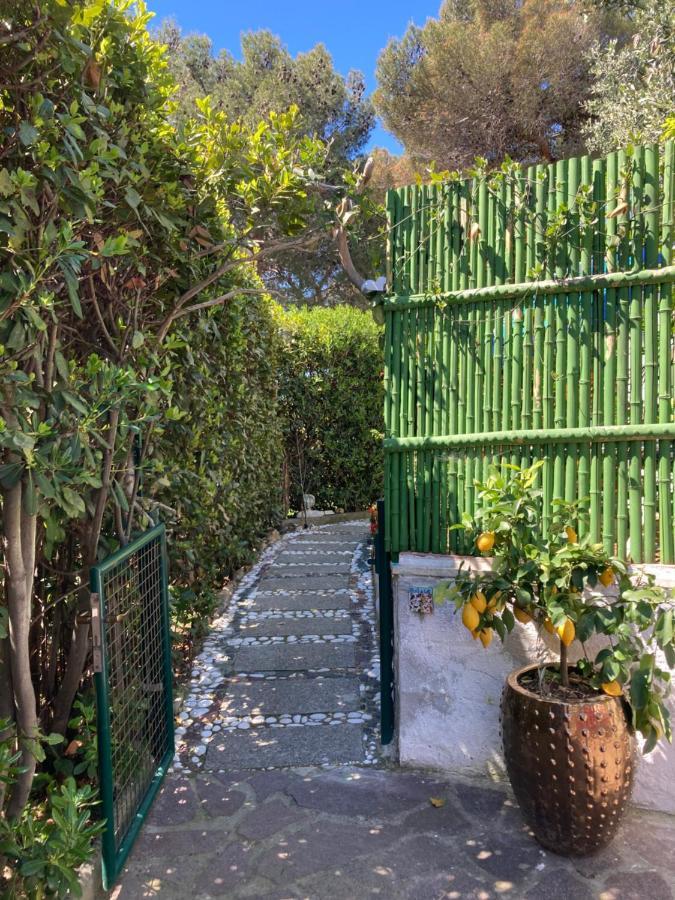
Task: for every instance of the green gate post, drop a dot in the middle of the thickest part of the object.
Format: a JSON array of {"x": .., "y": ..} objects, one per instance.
[{"x": 387, "y": 685}]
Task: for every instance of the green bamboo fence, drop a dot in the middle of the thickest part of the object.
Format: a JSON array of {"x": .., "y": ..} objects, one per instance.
[{"x": 531, "y": 317}]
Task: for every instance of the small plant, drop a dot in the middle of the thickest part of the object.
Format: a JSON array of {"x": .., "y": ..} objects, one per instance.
[
  {"x": 52, "y": 836},
  {"x": 560, "y": 582}
]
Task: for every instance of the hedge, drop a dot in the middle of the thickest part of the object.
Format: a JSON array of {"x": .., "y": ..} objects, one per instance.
[{"x": 331, "y": 402}]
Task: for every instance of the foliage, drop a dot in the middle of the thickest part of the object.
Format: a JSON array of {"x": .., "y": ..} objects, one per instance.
[
  {"x": 330, "y": 402},
  {"x": 268, "y": 79},
  {"x": 117, "y": 232},
  {"x": 491, "y": 79},
  {"x": 51, "y": 837},
  {"x": 561, "y": 583},
  {"x": 633, "y": 87},
  {"x": 216, "y": 469}
]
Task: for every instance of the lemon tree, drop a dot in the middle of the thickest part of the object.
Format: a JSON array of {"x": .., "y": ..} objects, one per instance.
[{"x": 571, "y": 587}]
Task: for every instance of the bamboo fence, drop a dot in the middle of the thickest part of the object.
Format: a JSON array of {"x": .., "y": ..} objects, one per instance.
[{"x": 531, "y": 317}]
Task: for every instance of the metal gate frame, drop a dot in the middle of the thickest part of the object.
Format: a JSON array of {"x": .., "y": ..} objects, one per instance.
[
  {"x": 115, "y": 849},
  {"x": 386, "y": 629}
]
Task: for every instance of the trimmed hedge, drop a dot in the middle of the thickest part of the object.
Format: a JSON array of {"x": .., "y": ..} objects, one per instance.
[
  {"x": 221, "y": 461},
  {"x": 331, "y": 402}
]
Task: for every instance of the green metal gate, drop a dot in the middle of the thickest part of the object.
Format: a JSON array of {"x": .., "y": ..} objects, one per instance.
[{"x": 132, "y": 664}]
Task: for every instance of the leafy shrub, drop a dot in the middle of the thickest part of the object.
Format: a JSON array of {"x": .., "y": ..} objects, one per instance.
[
  {"x": 331, "y": 401},
  {"x": 53, "y": 834}
]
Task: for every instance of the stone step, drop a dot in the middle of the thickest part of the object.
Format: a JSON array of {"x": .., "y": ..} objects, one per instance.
[
  {"x": 302, "y": 745},
  {"x": 281, "y": 627},
  {"x": 297, "y": 601},
  {"x": 290, "y": 696},
  {"x": 320, "y": 557},
  {"x": 293, "y": 657},
  {"x": 308, "y": 582},
  {"x": 292, "y": 568},
  {"x": 332, "y": 540}
]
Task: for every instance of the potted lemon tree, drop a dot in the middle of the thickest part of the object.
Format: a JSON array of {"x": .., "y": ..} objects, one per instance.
[{"x": 569, "y": 725}]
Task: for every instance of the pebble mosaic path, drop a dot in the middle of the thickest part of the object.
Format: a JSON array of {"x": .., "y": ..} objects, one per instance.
[{"x": 277, "y": 791}]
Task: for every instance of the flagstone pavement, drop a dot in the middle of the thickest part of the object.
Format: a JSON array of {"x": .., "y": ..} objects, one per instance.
[{"x": 279, "y": 789}]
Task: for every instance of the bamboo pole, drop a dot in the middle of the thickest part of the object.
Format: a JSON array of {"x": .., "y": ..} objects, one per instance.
[
  {"x": 585, "y": 350},
  {"x": 635, "y": 369},
  {"x": 651, "y": 258},
  {"x": 666, "y": 362},
  {"x": 598, "y": 171},
  {"x": 622, "y": 354},
  {"x": 609, "y": 365}
]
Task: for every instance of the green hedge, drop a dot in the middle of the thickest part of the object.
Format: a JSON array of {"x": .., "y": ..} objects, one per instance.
[
  {"x": 221, "y": 461},
  {"x": 331, "y": 402}
]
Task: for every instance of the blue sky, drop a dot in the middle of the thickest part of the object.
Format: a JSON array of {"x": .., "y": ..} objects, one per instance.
[{"x": 354, "y": 31}]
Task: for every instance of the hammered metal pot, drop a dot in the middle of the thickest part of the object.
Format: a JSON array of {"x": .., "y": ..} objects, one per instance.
[{"x": 570, "y": 764}]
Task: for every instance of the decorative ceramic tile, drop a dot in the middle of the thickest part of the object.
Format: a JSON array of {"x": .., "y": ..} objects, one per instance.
[{"x": 421, "y": 600}]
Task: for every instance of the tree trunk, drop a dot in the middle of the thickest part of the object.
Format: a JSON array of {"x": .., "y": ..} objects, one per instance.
[
  {"x": 19, "y": 545},
  {"x": 564, "y": 667}
]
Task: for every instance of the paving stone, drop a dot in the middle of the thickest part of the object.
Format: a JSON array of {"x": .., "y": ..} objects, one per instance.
[
  {"x": 276, "y": 781},
  {"x": 291, "y": 695},
  {"x": 355, "y": 792},
  {"x": 304, "y": 600},
  {"x": 183, "y": 842},
  {"x": 636, "y": 886},
  {"x": 226, "y": 871},
  {"x": 317, "y": 569},
  {"x": 313, "y": 556},
  {"x": 481, "y": 801},
  {"x": 323, "y": 846},
  {"x": 300, "y": 746},
  {"x": 293, "y": 657},
  {"x": 150, "y": 878},
  {"x": 327, "y": 537},
  {"x": 273, "y": 627},
  {"x": 506, "y": 856},
  {"x": 559, "y": 884},
  {"x": 308, "y": 582},
  {"x": 217, "y": 799},
  {"x": 268, "y": 819},
  {"x": 175, "y": 804}
]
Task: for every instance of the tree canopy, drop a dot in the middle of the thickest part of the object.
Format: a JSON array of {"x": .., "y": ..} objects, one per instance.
[
  {"x": 633, "y": 90},
  {"x": 268, "y": 79},
  {"x": 492, "y": 78}
]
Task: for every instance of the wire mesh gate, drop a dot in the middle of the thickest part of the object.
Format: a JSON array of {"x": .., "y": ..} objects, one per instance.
[{"x": 132, "y": 664}]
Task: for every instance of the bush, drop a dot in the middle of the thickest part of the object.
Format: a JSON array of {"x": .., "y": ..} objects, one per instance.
[
  {"x": 331, "y": 400},
  {"x": 218, "y": 466}
]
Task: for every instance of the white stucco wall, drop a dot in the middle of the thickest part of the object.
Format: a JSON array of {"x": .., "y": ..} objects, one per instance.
[{"x": 448, "y": 687}]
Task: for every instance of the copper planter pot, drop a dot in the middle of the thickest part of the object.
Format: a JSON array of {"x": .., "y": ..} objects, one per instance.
[{"x": 570, "y": 764}]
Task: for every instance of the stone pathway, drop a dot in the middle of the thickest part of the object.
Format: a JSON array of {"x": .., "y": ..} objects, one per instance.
[{"x": 277, "y": 790}]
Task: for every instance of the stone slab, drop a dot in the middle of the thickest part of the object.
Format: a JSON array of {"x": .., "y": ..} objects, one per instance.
[
  {"x": 294, "y": 657},
  {"x": 299, "y": 627},
  {"x": 328, "y": 538},
  {"x": 315, "y": 555},
  {"x": 317, "y": 567},
  {"x": 291, "y": 695},
  {"x": 309, "y": 582},
  {"x": 300, "y": 600},
  {"x": 301, "y": 746}
]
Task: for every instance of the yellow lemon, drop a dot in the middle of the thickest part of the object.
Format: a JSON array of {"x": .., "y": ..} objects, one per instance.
[
  {"x": 486, "y": 541},
  {"x": 470, "y": 617},
  {"x": 571, "y": 534},
  {"x": 522, "y": 615},
  {"x": 474, "y": 635},
  {"x": 607, "y": 577},
  {"x": 548, "y": 625},
  {"x": 486, "y": 637},
  {"x": 566, "y": 632},
  {"x": 613, "y": 688},
  {"x": 493, "y": 601},
  {"x": 479, "y": 602}
]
